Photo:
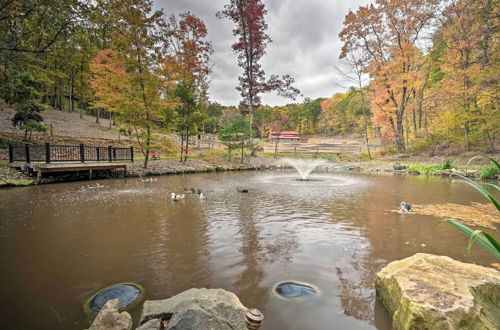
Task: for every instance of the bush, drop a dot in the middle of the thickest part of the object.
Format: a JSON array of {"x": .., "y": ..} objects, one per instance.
[
  {"x": 489, "y": 171},
  {"x": 425, "y": 168},
  {"x": 448, "y": 164}
]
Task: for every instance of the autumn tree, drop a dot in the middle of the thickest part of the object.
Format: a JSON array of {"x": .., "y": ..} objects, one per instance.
[
  {"x": 387, "y": 37},
  {"x": 248, "y": 15},
  {"x": 467, "y": 91},
  {"x": 187, "y": 63},
  {"x": 136, "y": 95}
]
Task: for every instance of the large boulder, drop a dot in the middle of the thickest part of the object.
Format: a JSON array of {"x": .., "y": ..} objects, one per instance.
[
  {"x": 425, "y": 291},
  {"x": 110, "y": 318},
  {"x": 201, "y": 309}
]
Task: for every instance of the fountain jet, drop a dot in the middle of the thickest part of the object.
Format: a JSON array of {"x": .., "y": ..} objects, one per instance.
[{"x": 304, "y": 166}]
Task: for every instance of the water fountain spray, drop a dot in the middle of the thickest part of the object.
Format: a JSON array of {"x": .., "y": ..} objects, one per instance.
[{"x": 304, "y": 166}]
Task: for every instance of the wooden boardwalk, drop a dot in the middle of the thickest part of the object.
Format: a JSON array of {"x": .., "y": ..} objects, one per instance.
[{"x": 40, "y": 168}]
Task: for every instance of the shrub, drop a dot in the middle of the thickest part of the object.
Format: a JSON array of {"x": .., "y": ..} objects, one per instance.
[
  {"x": 448, "y": 164},
  {"x": 489, "y": 171}
]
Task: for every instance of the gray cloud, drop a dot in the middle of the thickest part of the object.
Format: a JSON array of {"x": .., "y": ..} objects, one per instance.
[{"x": 305, "y": 44}]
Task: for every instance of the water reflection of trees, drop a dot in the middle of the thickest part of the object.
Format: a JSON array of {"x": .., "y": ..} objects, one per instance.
[
  {"x": 179, "y": 258},
  {"x": 355, "y": 272},
  {"x": 258, "y": 251}
]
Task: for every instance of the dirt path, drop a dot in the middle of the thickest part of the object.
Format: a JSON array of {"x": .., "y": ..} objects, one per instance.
[{"x": 66, "y": 124}]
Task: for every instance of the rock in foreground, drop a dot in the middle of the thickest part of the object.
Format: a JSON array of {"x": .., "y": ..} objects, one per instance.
[
  {"x": 110, "y": 318},
  {"x": 426, "y": 291},
  {"x": 202, "y": 309}
]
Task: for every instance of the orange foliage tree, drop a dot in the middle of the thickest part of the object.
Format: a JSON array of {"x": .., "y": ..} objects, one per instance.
[
  {"x": 136, "y": 93},
  {"x": 466, "y": 97},
  {"x": 387, "y": 35},
  {"x": 187, "y": 64}
]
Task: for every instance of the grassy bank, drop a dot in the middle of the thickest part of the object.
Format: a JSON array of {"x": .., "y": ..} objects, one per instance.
[{"x": 213, "y": 160}]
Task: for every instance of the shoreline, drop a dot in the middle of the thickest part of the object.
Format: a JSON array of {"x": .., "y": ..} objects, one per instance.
[{"x": 15, "y": 178}]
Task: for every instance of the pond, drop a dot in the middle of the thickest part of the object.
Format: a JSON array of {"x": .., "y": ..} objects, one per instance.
[{"x": 61, "y": 243}]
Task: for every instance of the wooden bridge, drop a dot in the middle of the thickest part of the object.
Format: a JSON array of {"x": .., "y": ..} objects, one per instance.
[{"x": 52, "y": 158}]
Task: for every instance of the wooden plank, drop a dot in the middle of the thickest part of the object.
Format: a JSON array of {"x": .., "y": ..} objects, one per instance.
[{"x": 80, "y": 168}]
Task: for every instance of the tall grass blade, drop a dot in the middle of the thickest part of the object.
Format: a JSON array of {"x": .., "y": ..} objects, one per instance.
[
  {"x": 473, "y": 238},
  {"x": 494, "y": 186},
  {"x": 477, "y": 236},
  {"x": 483, "y": 191},
  {"x": 492, "y": 240},
  {"x": 494, "y": 161}
]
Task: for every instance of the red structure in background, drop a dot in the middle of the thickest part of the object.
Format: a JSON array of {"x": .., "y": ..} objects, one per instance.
[{"x": 286, "y": 136}]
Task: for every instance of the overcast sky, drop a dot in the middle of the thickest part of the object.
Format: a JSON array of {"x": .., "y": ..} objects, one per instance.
[{"x": 305, "y": 44}]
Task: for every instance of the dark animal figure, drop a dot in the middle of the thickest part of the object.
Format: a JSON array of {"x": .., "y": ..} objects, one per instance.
[
  {"x": 242, "y": 190},
  {"x": 125, "y": 132},
  {"x": 22, "y": 118},
  {"x": 405, "y": 207}
]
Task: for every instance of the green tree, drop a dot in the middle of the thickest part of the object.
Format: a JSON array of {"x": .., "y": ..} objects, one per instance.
[
  {"x": 235, "y": 135},
  {"x": 26, "y": 92}
]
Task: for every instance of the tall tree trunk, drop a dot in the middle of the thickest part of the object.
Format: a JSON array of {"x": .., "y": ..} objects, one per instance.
[
  {"x": 148, "y": 144},
  {"x": 400, "y": 142},
  {"x": 81, "y": 84},
  {"x": 97, "y": 114},
  {"x": 71, "y": 88},
  {"x": 407, "y": 131},
  {"x": 60, "y": 99},
  {"x": 251, "y": 122},
  {"x": 414, "y": 117},
  {"x": 187, "y": 134},
  {"x": 54, "y": 99},
  {"x": 242, "y": 148},
  {"x": 466, "y": 136},
  {"x": 182, "y": 146},
  {"x": 366, "y": 139}
]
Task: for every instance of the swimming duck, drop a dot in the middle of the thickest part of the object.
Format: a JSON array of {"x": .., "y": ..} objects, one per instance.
[
  {"x": 405, "y": 207},
  {"x": 242, "y": 190},
  {"x": 176, "y": 197},
  {"x": 202, "y": 196},
  {"x": 189, "y": 191}
]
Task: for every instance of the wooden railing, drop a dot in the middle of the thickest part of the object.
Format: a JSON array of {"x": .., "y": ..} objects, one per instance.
[{"x": 51, "y": 153}]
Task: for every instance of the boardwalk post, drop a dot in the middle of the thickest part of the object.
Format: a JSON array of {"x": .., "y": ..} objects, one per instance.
[
  {"x": 27, "y": 152},
  {"x": 110, "y": 153},
  {"x": 132, "y": 154},
  {"x": 47, "y": 153},
  {"x": 97, "y": 153},
  {"x": 82, "y": 153},
  {"x": 11, "y": 154}
]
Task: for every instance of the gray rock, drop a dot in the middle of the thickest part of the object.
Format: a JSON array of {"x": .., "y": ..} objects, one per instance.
[
  {"x": 203, "y": 309},
  {"x": 425, "y": 291},
  {"x": 399, "y": 167},
  {"x": 110, "y": 318}
]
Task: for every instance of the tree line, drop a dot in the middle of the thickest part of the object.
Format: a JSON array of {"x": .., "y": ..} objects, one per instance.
[
  {"x": 432, "y": 69},
  {"x": 419, "y": 71}
]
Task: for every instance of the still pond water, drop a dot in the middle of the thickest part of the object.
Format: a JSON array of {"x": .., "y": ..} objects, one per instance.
[{"x": 61, "y": 243}]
